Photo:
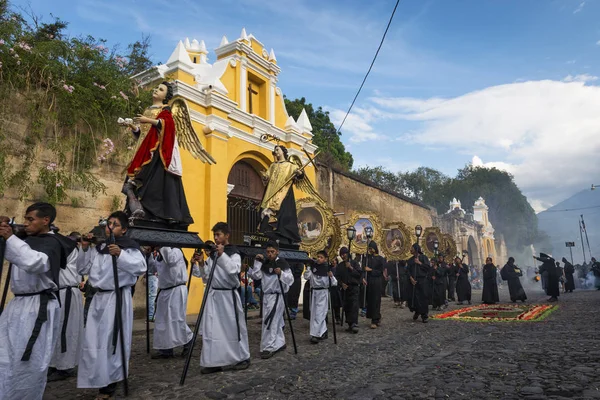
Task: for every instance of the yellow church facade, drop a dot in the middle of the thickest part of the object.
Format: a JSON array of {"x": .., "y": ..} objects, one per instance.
[{"x": 235, "y": 105}]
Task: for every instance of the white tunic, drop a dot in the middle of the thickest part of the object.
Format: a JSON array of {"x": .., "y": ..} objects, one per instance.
[
  {"x": 221, "y": 343},
  {"x": 170, "y": 326},
  {"x": 68, "y": 280},
  {"x": 98, "y": 366},
  {"x": 319, "y": 301},
  {"x": 26, "y": 380},
  {"x": 272, "y": 337}
]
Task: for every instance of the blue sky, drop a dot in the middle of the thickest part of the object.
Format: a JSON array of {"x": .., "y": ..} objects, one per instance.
[{"x": 512, "y": 83}]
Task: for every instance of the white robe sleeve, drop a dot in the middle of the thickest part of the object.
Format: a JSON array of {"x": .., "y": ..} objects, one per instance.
[
  {"x": 172, "y": 256},
  {"x": 231, "y": 265},
  {"x": 85, "y": 259},
  {"x": 197, "y": 271},
  {"x": 287, "y": 279},
  {"x": 132, "y": 261},
  {"x": 24, "y": 257},
  {"x": 334, "y": 281},
  {"x": 255, "y": 272},
  {"x": 307, "y": 274}
]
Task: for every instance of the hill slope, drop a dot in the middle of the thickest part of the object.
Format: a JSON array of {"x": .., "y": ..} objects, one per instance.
[{"x": 562, "y": 226}]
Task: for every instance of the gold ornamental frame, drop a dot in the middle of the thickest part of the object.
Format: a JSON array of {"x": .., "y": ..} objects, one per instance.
[
  {"x": 449, "y": 246},
  {"x": 428, "y": 231},
  {"x": 328, "y": 232},
  {"x": 373, "y": 219},
  {"x": 408, "y": 238}
]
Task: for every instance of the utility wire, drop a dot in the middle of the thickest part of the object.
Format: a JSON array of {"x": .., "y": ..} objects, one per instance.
[
  {"x": 370, "y": 67},
  {"x": 572, "y": 209}
]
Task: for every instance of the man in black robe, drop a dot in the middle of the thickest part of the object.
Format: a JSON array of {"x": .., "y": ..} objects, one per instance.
[
  {"x": 595, "y": 268},
  {"x": 293, "y": 295},
  {"x": 439, "y": 285},
  {"x": 569, "y": 278},
  {"x": 490, "y": 286},
  {"x": 463, "y": 286},
  {"x": 349, "y": 275},
  {"x": 373, "y": 275},
  {"x": 452, "y": 275},
  {"x": 393, "y": 272},
  {"x": 419, "y": 270},
  {"x": 548, "y": 267},
  {"x": 511, "y": 273}
]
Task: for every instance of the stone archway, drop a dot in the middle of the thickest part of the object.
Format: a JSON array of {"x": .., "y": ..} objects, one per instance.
[
  {"x": 247, "y": 188},
  {"x": 474, "y": 257}
]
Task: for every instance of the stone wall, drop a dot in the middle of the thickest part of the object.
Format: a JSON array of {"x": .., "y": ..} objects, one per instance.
[{"x": 345, "y": 193}]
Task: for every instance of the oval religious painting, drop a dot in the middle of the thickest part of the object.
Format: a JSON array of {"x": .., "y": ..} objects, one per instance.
[
  {"x": 360, "y": 225},
  {"x": 431, "y": 237},
  {"x": 310, "y": 224},
  {"x": 394, "y": 241}
]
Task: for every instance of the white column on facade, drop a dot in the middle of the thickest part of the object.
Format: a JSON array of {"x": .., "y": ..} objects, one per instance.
[
  {"x": 272, "y": 102},
  {"x": 243, "y": 84}
]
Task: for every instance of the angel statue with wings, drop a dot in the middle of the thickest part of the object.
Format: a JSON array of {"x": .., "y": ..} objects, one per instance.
[
  {"x": 153, "y": 186},
  {"x": 279, "y": 220}
]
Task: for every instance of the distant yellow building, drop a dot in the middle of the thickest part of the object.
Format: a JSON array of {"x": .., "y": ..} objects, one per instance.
[{"x": 233, "y": 103}]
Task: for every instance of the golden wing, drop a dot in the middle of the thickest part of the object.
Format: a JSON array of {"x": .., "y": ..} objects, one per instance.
[
  {"x": 186, "y": 135},
  {"x": 307, "y": 187},
  {"x": 295, "y": 160}
]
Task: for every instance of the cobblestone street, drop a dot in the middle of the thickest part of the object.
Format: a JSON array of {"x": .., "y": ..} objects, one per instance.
[{"x": 553, "y": 359}]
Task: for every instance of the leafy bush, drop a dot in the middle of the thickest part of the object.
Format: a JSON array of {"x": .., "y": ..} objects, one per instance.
[{"x": 70, "y": 92}]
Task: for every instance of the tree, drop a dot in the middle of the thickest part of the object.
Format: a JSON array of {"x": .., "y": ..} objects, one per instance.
[
  {"x": 139, "y": 58},
  {"x": 325, "y": 136},
  {"x": 509, "y": 210}
]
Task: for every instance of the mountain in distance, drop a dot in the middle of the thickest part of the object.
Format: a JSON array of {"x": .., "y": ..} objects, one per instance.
[{"x": 562, "y": 226}]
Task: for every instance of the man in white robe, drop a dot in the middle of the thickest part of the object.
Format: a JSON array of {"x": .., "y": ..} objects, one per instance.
[
  {"x": 24, "y": 358},
  {"x": 170, "y": 326},
  {"x": 100, "y": 365},
  {"x": 66, "y": 350},
  {"x": 275, "y": 274},
  {"x": 223, "y": 327},
  {"x": 321, "y": 279}
]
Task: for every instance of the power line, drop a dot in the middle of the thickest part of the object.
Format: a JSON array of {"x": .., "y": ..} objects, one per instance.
[
  {"x": 572, "y": 209},
  {"x": 370, "y": 67}
]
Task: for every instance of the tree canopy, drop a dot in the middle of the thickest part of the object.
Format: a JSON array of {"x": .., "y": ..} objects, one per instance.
[
  {"x": 509, "y": 211},
  {"x": 333, "y": 151}
]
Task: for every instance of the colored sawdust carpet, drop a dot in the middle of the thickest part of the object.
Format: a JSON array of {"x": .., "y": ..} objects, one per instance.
[{"x": 499, "y": 312}]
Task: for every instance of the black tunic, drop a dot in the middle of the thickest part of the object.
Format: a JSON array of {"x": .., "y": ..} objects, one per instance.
[
  {"x": 439, "y": 285},
  {"x": 463, "y": 286},
  {"x": 374, "y": 288},
  {"x": 420, "y": 293},
  {"x": 569, "y": 278},
  {"x": 161, "y": 192},
  {"x": 452, "y": 273},
  {"x": 511, "y": 274},
  {"x": 293, "y": 294},
  {"x": 552, "y": 283},
  {"x": 490, "y": 286},
  {"x": 286, "y": 229}
]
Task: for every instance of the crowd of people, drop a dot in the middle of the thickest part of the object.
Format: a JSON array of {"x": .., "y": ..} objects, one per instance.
[{"x": 49, "y": 332}]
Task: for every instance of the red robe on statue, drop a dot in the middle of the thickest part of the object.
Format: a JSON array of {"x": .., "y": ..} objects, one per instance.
[
  {"x": 156, "y": 172},
  {"x": 164, "y": 142}
]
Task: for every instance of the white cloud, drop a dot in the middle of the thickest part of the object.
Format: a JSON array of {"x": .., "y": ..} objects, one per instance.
[
  {"x": 357, "y": 124},
  {"x": 580, "y": 78},
  {"x": 545, "y": 133},
  {"x": 571, "y": 61},
  {"x": 598, "y": 42},
  {"x": 579, "y": 7}
]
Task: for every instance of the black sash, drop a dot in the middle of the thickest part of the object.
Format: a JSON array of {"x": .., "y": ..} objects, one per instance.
[
  {"x": 167, "y": 288},
  {"x": 116, "y": 321},
  {"x": 45, "y": 296},
  {"x": 269, "y": 318},
  {"x": 237, "y": 317},
  {"x": 63, "y": 332}
]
